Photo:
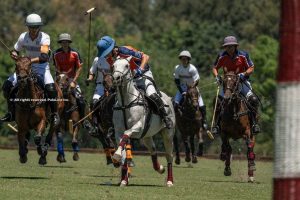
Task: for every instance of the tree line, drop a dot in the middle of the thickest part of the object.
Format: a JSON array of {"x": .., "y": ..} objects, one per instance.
[{"x": 161, "y": 28}]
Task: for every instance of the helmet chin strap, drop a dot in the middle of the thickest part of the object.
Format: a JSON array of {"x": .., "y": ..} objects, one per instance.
[{"x": 34, "y": 34}]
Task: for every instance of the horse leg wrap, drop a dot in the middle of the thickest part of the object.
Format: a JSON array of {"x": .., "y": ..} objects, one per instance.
[
  {"x": 124, "y": 141},
  {"x": 170, "y": 172},
  {"x": 251, "y": 155},
  {"x": 44, "y": 150},
  {"x": 60, "y": 144},
  {"x": 156, "y": 165},
  {"x": 124, "y": 173},
  {"x": 37, "y": 140},
  {"x": 128, "y": 151},
  {"x": 75, "y": 146}
]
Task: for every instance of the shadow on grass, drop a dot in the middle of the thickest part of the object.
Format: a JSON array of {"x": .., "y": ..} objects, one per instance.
[
  {"x": 118, "y": 185},
  {"x": 216, "y": 181},
  {"x": 23, "y": 177},
  {"x": 103, "y": 176},
  {"x": 130, "y": 185},
  {"x": 58, "y": 166},
  {"x": 182, "y": 166}
]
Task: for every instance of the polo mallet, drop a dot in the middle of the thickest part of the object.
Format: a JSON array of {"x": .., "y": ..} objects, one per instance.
[
  {"x": 5, "y": 46},
  {"x": 71, "y": 125},
  {"x": 210, "y": 135},
  {"x": 90, "y": 24},
  {"x": 13, "y": 127}
]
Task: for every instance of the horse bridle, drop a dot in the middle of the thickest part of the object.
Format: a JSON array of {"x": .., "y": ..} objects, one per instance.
[
  {"x": 234, "y": 89},
  {"x": 123, "y": 74}
]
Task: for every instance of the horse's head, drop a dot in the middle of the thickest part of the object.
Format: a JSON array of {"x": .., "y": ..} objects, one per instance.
[
  {"x": 192, "y": 95},
  {"x": 230, "y": 84},
  {"x": 121, "y": 71},
  {"x": 107, "y": 81},
  {"x": 63, "y": 82},
  {"x": 23, "y": 68}
]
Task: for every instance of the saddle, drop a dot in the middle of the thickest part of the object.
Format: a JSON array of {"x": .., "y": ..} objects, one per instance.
[{"x": 149, "y": 106}]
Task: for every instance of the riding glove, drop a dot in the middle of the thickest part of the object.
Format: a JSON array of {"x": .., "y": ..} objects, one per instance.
[
  {"x": 138, "y": 72},
  {"x": 242, "y": 76},
  {"x": 219, "y": 80}
]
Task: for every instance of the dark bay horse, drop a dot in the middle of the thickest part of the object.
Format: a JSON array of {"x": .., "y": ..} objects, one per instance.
[
  {"x": 189, "y": 123},
  {"x": 235, "y": 123},
  {"x": 103, "y": 119},
  {"x": 70, "y": 112},
  {"x": 31, "y": 111}
]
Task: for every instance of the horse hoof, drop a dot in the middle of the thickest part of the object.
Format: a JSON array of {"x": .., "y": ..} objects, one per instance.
[
  {"x": 23, "y": 159},
  {"x": 187, "y": 159},
  {"x": 42, "y": 160},
  {"x": 194, "y": 160},
  {"x": 161, "y": 169},
  {"x": 250, "y": 179},
  {"x": 116, "y": 164},
  {"x": 169, "y": 183},
  {"x": 108, "y": 160},
  {"x": 123, "y": 183},
  {"x": 177, "y": 161},
  {"x": 227, "y": 172},
  {"x": 60, "y": 158},
  {"x": 75, "y": 156},
  {"x": 116, "y": 157}
]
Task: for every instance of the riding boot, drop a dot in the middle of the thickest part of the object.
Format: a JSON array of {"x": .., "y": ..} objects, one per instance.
[
  {"x": 161, "y": 110},
  {"x": 176, "y": 107},
  {"x": 10, "y": 115},
  {"x": 92, "y": 106},
  {"x": 203, "y": 112},
  {"x": 86, "y": 123},
  {"x": 253, "y": 115},
  {"x": 52, "y": 96}
]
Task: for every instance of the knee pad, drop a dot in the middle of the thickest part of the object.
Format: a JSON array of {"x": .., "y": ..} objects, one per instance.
[{"x": 253, "y": 100}]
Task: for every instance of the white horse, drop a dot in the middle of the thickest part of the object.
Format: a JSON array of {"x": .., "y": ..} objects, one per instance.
[{"x": 130, "y": 116}]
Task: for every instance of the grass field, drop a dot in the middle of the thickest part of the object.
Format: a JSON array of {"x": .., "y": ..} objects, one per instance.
[{"x": 90, "y": 178}]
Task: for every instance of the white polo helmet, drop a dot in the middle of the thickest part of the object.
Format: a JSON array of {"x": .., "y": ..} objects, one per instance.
[
  {"x": 185, "y": 53},
  {"x": 33, "y": 20},
  {"x": 64, "y": 37}
]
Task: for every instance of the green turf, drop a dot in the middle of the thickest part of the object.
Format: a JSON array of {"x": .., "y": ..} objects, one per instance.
[{"x": 90, "y": 178}]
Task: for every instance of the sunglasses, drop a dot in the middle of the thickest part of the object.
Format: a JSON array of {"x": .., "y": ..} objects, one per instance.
[{"x": 34, "y": 27}]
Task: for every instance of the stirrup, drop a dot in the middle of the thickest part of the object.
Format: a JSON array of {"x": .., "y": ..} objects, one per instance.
[
  {"x": 255, "y": 129},
  {"x": 215, "y": 130},
  {"x": 204, "y": 125},
  {"x": 7, "y": 117}
]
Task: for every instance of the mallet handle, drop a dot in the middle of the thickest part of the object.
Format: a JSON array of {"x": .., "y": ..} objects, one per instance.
[{"x": 213, "y": 118}]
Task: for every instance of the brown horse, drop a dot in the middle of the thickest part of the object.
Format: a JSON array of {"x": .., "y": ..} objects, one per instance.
[
  {"x": 70, "y": 112},
  {"x": 31, "y": 111},
  {"x": 102, "y": 118},
  {"x": 234, "y": 122},
  {"x": 189, "y": 123}
]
